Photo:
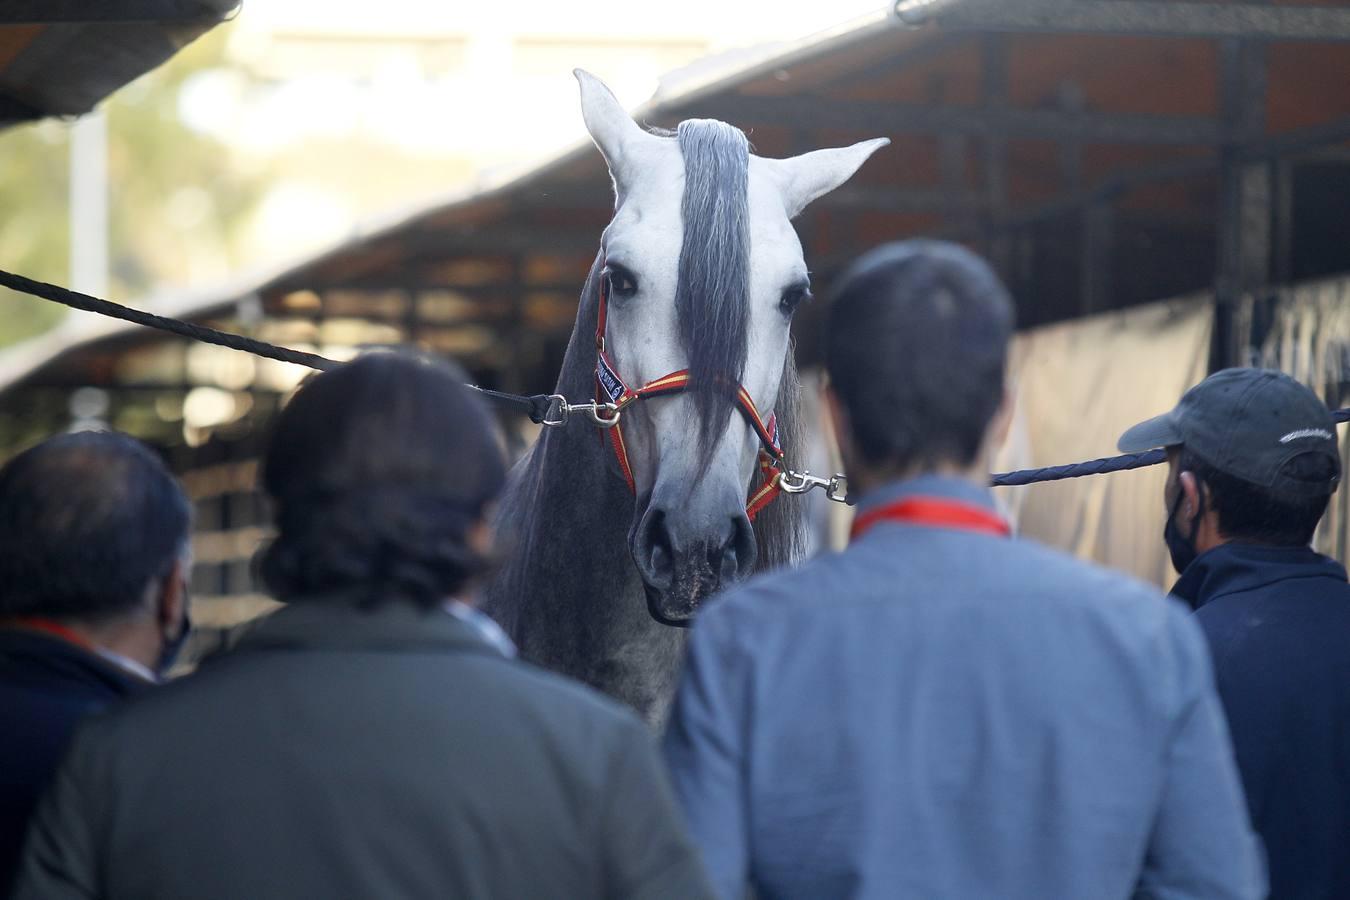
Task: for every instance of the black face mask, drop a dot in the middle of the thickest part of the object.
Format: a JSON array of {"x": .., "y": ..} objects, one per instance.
[
  {"x": 169, "y": 650},
  {"x": 1180, "y": 547}
]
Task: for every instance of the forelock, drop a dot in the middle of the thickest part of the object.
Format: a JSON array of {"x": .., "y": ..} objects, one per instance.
[{"x": 712, "y": 293}]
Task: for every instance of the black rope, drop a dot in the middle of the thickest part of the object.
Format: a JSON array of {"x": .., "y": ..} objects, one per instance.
[
  {"x": 76, "y": 300},
  {"x": 1100, "y": 466},
  {"x": 536, "y": 406},
  {"x": 1078, "y": 470}
]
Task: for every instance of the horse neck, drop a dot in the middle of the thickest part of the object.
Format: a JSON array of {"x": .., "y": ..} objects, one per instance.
[{"x": 566, "y": 515}]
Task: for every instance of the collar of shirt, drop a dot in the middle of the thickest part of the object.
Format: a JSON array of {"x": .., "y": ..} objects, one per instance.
[
  {"x": 948, "y": 487},
  {"x": 1235, "y": 567},
  {"x": 484, "y": 624},
  {"x": 127, "y": 664}
]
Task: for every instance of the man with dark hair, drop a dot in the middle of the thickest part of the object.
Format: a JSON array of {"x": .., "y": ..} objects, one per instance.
[
  {"x": 93, "y": 600},
  {"x": 1253, "y": 462},
  {"x": 941, "y": 711},
  {"x": 373, "y": 738}
]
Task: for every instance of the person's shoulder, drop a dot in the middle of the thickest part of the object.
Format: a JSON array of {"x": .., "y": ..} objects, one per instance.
[
  {"x": 558, "y": 710},
  {"x": 1035, "y": 568},
  {"x": 773, "y": 594},
  {"x": 557, "y": 692}
]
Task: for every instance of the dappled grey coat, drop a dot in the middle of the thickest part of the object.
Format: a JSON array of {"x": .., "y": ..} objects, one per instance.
[{"x": 341, "y": 753}]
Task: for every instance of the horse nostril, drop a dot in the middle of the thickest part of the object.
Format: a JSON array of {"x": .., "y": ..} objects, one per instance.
[
  {"x": 656, "y": 556},
  {"x": 738, "y": 552},
  {"x": 729, "y": 566}
]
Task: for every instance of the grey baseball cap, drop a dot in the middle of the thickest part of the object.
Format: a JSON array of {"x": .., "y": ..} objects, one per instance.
[{"x": 1247, "y": 423}]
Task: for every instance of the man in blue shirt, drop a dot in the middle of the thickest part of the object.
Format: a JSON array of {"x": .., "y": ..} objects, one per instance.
[
  {"x": 941, "y": 711},
  {"x": 1253, "y": 462}
]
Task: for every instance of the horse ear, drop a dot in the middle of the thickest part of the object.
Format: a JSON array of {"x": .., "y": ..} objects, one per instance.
[
  {"x": 806, "y": 177},
  {"x": 613, "y": 130}
]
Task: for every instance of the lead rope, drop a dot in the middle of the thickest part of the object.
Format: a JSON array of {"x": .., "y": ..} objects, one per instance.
[{"x": 548, "y": 410}]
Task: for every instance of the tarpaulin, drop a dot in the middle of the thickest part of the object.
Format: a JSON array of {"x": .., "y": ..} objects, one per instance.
[
  {"x": 1309, "y": 337},
  {"x": 1077, "y": 385}
]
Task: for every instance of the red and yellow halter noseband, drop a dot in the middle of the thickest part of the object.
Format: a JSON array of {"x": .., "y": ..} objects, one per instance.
[{"x": 613, "y": 392}]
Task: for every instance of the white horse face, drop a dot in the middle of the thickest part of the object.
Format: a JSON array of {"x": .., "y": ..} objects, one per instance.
[{"x": 704, "y": 272}]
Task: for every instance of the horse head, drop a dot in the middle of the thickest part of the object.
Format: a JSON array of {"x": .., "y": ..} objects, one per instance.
[{"x": 702, "y": 273}]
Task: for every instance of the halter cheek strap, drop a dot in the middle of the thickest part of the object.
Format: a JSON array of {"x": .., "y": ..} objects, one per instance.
[{"x": 611, "y": 388}]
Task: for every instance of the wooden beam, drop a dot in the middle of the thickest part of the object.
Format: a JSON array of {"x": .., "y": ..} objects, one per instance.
[
  {"x": 1245, "y": 197},
  {"x": 978, "y": 121},
  {"x": 994, "y": 79},
  {"x": 1098, "y": 242},
  {"x": 120, "y": 12},
  {"x": 498, "y": 241},
  {"x": 876, "y": 198},
  {"x": 1174, "y": 18}
]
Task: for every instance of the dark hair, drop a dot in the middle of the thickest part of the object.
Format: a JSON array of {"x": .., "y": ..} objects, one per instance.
[
  {"x": 1252, "y": 512},
  {"x": 87, "y": 522},
  {"x": 916, "y": 349},
  {"x": 377, "y": 470}
]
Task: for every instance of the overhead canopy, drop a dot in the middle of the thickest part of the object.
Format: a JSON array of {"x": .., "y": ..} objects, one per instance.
[
  {"x": 61, "y": 57},
  {"x": 1103, "y": 153}
]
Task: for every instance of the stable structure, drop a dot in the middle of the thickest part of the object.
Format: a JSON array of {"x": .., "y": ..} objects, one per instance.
[
  {"x": 62, "y": 57},
  {"x": 1103, "y": 153}
]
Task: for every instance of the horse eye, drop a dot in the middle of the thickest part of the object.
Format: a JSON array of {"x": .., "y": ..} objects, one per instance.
[
  {"x": 793, "y": 297},
  {"x": 622, "y": 283}
]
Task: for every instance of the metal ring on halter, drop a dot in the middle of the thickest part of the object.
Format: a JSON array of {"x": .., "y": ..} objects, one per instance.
[
  {"x": 835, "y": 487},
  {"x": 558, "y": 410},
  {"x": 606, "y": 415},
  {"x": 609, "y": 420}
]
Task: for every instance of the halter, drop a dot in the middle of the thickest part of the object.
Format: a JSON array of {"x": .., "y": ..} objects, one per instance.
[{"x": 613, "y": 396}]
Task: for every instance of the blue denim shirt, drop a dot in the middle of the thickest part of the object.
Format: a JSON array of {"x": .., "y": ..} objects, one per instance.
[{"x": 935, "y": 713}]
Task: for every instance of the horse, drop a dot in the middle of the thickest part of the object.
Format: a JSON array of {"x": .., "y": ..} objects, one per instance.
[{"x": 620, "y": 524}]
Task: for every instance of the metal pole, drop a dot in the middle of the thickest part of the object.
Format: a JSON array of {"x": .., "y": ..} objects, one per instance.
[{"x": 89, "y": 204}]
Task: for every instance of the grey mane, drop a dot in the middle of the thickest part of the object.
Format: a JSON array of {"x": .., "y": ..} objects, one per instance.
[
  {"x": 712, "y": 304},
  {"x": 712, "y": 296}
]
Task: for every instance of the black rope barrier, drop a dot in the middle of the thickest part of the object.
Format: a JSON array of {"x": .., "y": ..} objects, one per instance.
[{"x": 535, "y": 406}]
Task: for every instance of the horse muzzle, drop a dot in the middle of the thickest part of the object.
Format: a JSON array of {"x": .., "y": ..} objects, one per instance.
[{"x": 685, "y": 558}]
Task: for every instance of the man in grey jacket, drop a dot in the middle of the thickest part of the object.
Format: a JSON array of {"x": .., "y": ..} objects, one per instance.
[
  {"x": 373, "y": 739},
  {"x": 941, "y": 710}
]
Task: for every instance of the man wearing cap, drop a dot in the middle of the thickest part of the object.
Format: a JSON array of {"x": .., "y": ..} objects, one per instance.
[{"x": 1253, "y": 461}]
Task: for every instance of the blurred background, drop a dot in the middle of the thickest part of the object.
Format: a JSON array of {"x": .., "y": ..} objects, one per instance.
[
  {"x": 278, "y": 130},
  {"x": 1162, "y": 183}
]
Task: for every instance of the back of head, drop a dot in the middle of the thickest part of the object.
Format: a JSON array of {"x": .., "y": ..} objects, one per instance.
[
  {"x": 1259, "y": 514},
  {"x": 917, "y": 347},
  {"x": 378, "y": 471},
  {"x": 87, "y": 522}
]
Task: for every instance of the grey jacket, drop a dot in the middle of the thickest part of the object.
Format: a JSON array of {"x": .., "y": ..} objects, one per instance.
[
  {"x": 341, "y": 753},
  {"x": 935, "y": 713}
]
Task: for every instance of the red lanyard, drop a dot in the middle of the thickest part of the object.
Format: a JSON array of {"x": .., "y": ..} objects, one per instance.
[
  {"x": 52, "y": 627},
  {"x": 933, "y": 512}
]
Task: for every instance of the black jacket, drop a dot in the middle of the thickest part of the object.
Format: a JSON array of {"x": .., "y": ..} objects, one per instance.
[
  {"x": 343, "y": 753},
  {"x": 1278, "y": 623},
  {"x": 47, "y": 685}
]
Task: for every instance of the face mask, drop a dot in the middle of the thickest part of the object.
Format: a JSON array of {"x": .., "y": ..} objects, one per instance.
[
  {"x": 1180, "y": 547},
  {"x": 168, "y": 651}
]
